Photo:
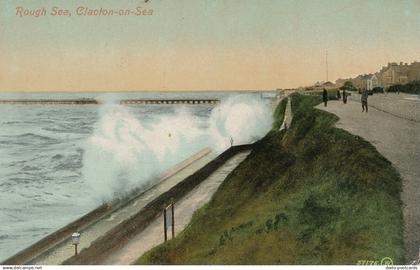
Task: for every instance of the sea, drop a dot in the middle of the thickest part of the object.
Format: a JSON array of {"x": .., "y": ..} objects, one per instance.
[{"x": 58, "y": 162}]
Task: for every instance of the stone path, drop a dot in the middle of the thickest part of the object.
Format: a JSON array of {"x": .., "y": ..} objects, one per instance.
[
  {"x": 288, "y": 116},
  {"x": 65, "y": 250},
  {"x": 184, "y": 209},
  {"x": 397, "y": 139}
]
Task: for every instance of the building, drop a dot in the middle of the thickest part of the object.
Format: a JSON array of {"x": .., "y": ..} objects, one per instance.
[
  {"x": 414, "y": 72},
  {"x": 372, "y": 82},
  {"x": 321, "y": 85},
  {"x": 360, "y": 82},
  {"x": 389, "y": 75},
  {"x": 394, "y": 74},
  {"x": 340, "y": 82}
]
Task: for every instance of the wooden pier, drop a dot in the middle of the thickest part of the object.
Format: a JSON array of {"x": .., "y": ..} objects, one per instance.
[
  {"x": 49, "y": 101},
  {"x": 170, "y": 101},
  {"x": 95, "y": 102}
]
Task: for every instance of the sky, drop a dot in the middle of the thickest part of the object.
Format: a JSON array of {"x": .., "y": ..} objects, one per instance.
[{"x": 202, "y": 44}]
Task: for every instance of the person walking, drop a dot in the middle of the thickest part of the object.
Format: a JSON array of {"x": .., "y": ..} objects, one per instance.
[
  {"x": 364, "y": 99},
  {"x": 325, "y": 97},
  {"x": 344, "y": 96},
  {"x": 338, "y": 95}
]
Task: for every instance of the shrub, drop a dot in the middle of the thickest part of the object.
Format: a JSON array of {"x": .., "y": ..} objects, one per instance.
[
  {"x": 410, "y": 88},
  {"x": 378, "y": 90}
]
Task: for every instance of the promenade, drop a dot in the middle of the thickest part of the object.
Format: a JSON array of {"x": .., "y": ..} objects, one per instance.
[
  {"x": 184, "y": 210},
  {"x": 401, "y": 105},
  {"x": 392, "y": 128}
]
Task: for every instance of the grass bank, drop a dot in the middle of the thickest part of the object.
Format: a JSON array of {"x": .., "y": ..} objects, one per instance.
[{"x": 313, "y": 194}]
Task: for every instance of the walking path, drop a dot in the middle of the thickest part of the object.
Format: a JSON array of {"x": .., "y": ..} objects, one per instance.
[
  {"x": 397, "y": 139},
  {"x": 288, "y": 116},
  {"x": 184, "y": 209},
  {"x": 65, "y": 250},
  {"x": 401, "y": 105}
]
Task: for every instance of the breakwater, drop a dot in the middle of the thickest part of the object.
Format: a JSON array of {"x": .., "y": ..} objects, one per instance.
[{"x": 96, "y": 102}]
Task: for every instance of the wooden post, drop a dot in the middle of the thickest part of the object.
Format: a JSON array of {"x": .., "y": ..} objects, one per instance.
[
  {"x": 418, "y": 259},
  {"x": 75, "y": 249},
  {"x": 164, "y": 224},
  {"x": 173, "y": 220}
]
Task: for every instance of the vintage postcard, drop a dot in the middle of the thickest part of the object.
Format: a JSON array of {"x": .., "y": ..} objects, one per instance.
[{"x": 209, "y": 132}]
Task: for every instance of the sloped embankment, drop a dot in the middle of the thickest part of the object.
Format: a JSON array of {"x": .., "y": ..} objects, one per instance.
[{"x": 313, "y": 194}]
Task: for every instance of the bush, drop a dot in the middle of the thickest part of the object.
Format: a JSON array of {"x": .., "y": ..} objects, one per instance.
[
  {"x": 332, "y": 94},
  {"x": 348, "y": 86},
  {"x": 377, "y": 90}
]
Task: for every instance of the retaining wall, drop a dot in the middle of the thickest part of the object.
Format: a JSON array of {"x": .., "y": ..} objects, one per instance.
[{"x": 122, "y": 233}]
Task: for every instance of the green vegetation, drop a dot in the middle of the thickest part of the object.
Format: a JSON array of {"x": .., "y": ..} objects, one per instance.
[
  {"x": 279, "y": 113},
  {"x": 313, "y": 194},
  {"x": 377, "y": 90},
  {"x": 348, "y": 86},
  {"x": 332, "y": 94},
  {"x": 410, "y": 88}
]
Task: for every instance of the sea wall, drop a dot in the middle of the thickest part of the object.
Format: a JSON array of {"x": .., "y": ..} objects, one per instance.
[
  {"x": 121, "y": 234},
  {"x": 64, "y": 233}
]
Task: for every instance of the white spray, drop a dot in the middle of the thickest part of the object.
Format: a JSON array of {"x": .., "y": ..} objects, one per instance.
[
  {"x": 127, "y": 152},
  {"x": 242, "y": 118}
]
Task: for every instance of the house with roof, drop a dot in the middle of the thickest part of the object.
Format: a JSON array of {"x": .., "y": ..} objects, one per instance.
[{"x": 372, "y": 82}]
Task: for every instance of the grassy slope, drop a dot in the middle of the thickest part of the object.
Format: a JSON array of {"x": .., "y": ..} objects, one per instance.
[
  {"x": 313, "y": 195},
  {"x": 279, "y": 113}
]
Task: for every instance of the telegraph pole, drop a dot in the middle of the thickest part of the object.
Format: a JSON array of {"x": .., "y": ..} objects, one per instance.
[{"x": 326, "y": 64}]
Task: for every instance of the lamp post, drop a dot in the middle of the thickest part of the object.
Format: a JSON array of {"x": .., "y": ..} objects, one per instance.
[{"x": 75, "y": 238}]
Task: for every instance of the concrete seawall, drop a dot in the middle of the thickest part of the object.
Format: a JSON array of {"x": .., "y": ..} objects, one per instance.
[
  {"x": 117, "y": 237},
  {"x": 185, "y": 208},
  {"x": 58, "y": 237}
]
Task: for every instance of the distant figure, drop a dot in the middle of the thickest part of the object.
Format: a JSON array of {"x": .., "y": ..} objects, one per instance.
[
  {"x": 338, "y": 95},
  {"x": 325, "y": 97},
  {"x": 344, "y": 96},
  {"x": 364, "y": 99},
  {"x": 231, "y": 141}
]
